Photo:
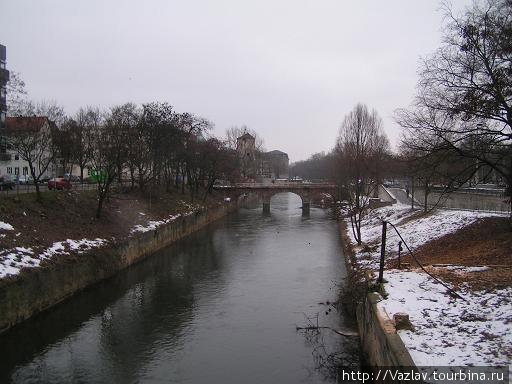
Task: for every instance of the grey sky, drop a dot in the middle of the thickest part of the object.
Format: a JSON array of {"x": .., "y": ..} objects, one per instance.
[{"x": 289, "y": 69}]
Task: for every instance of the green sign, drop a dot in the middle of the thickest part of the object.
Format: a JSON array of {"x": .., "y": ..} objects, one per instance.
[{"x": 98, "y": 176}]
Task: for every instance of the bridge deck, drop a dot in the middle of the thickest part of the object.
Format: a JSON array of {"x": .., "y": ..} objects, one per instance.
[{"x": 280, "y": 185}]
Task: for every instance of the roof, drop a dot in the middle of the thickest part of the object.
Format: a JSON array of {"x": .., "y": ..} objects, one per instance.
[
  {"x": 246, "y": 136},
  {"x": 276, "y": 153},
  {"x": 25, "y": 123}
]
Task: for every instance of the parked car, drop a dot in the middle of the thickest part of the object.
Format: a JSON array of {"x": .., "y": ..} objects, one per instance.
[
  {"x": 59, "y": 183},
  {"x": 25, "y": 179},
  {"x": 6, "y": 182},
  {"x": 72, "y": 178}
]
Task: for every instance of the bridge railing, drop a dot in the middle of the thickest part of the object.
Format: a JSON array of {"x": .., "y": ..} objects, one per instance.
[{"x": 280, "y": 184}]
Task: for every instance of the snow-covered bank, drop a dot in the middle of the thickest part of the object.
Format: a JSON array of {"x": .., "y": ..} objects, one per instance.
[
  {"x": 450, "y": 331},
  {"x": 447, "y": 331},
  {"x": 416, "y": 230},
  {"x": 26, "y": 294}
]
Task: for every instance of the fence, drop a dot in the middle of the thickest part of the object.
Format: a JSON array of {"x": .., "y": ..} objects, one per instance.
[
  {"x": 30, "y": 188},
  {"x": 380, "y": 279}
]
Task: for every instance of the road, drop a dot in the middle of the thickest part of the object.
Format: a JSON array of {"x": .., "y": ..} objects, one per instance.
[{"x": 401, "y": 195}]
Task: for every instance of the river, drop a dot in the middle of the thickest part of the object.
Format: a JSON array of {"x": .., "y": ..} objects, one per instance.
[{"x": 220, "y": 306}]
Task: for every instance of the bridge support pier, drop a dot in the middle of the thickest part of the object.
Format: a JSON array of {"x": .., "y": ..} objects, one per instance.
[
  {"x": 266, "y": 204},
  {"x": 305, "y": 208}
]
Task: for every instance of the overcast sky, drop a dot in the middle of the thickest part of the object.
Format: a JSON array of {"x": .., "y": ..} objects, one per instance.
[{"x": 289, "y": 69}]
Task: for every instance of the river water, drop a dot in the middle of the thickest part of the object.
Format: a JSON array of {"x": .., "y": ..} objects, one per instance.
[{"x": 220, "y": 306}]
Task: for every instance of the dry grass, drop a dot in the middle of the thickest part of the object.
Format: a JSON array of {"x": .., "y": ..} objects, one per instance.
[
  {"x": 71, "y": 215},
  {"x": 487, "y": 242}
]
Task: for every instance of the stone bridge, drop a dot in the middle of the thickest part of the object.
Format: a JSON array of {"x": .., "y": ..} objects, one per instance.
[{"x": 306, "y": 191}]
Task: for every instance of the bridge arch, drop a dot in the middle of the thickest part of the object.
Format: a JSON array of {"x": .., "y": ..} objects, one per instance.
[
  {"x": 306, "y": 191},
  {"x": 267, "y": 195}
]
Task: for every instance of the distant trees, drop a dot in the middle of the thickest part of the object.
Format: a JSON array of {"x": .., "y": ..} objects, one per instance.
[
  {"x": 318, "y": 166},
  {"x": 150, "y": 145},
  {"x": 153, "y": 147},
  {"x": 463, "y": 109},
  {"x": 361, "y": 149}
]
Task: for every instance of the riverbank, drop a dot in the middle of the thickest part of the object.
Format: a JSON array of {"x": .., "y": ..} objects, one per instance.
[
  {"x": 45, "y": 259},
  {"x": 470, "y": 253}
]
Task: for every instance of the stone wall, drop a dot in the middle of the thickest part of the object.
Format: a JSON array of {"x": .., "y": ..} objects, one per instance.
[{"x": 38, "y": 289}]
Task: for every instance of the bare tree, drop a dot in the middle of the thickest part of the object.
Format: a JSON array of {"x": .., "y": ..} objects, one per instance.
[
  {"x": 16, "y": 95},
  {"x": 361, "y": 146},
  {"x": 109, "y": 152},
  {"x": 464, "y": 100},
  {"x": 235, "y": 132},
  {"x": 81, "y": 136},
  {"x": 31, "y": 137}
]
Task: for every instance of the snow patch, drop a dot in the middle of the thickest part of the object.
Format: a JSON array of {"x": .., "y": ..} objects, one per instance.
[
  {"x": 152, "y": 225},
  {"x": 14, "y": 260},
  {"x": 6, "y": 226}
]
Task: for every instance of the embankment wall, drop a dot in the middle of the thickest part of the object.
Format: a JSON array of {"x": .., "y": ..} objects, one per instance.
[{"x": 37, "y": 289}]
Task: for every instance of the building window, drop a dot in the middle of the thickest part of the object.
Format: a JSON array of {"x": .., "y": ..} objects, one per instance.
[
  {"x": 9, "y": 170},
  {"x": 16, "y": 157},
  {"x": 17, "y": 170},
  {"x": 25, "y": 171}
]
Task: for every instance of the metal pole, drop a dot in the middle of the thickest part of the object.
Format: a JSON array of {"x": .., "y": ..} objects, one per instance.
[
  {"x": 382, "y": 253},
  {"x": 399, "y": 251}
]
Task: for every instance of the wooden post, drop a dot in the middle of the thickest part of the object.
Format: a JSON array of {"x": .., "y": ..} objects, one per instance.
[{"x": 382, "y": 252}]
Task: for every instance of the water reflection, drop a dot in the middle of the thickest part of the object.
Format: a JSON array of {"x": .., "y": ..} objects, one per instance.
[{"x": 220, "y": 306}]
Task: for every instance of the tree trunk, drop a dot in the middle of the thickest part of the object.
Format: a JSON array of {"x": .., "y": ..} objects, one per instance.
[
  {"x": 36, "y": 181},
  {"x": 358, "y": 228},
  {"x": 100, "y": 206},
  {"x": 38, "y": 192},
  {"x": 132, "y": 178},
  {"x": 425, "y": 200},
  {"x": 412, "y": 193},
  {"x": 141, "y": 180}
]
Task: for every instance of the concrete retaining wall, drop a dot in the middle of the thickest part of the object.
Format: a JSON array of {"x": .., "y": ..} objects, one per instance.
[
  {"x": 381, "y": 345},
  {"x": 469, "y": 201},
  {"x": 385, "y": 195},
  {"x": 38, "y": 289}
]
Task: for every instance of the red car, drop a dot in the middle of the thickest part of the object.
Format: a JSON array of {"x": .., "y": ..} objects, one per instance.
[{"x": 59, "y": 183}]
